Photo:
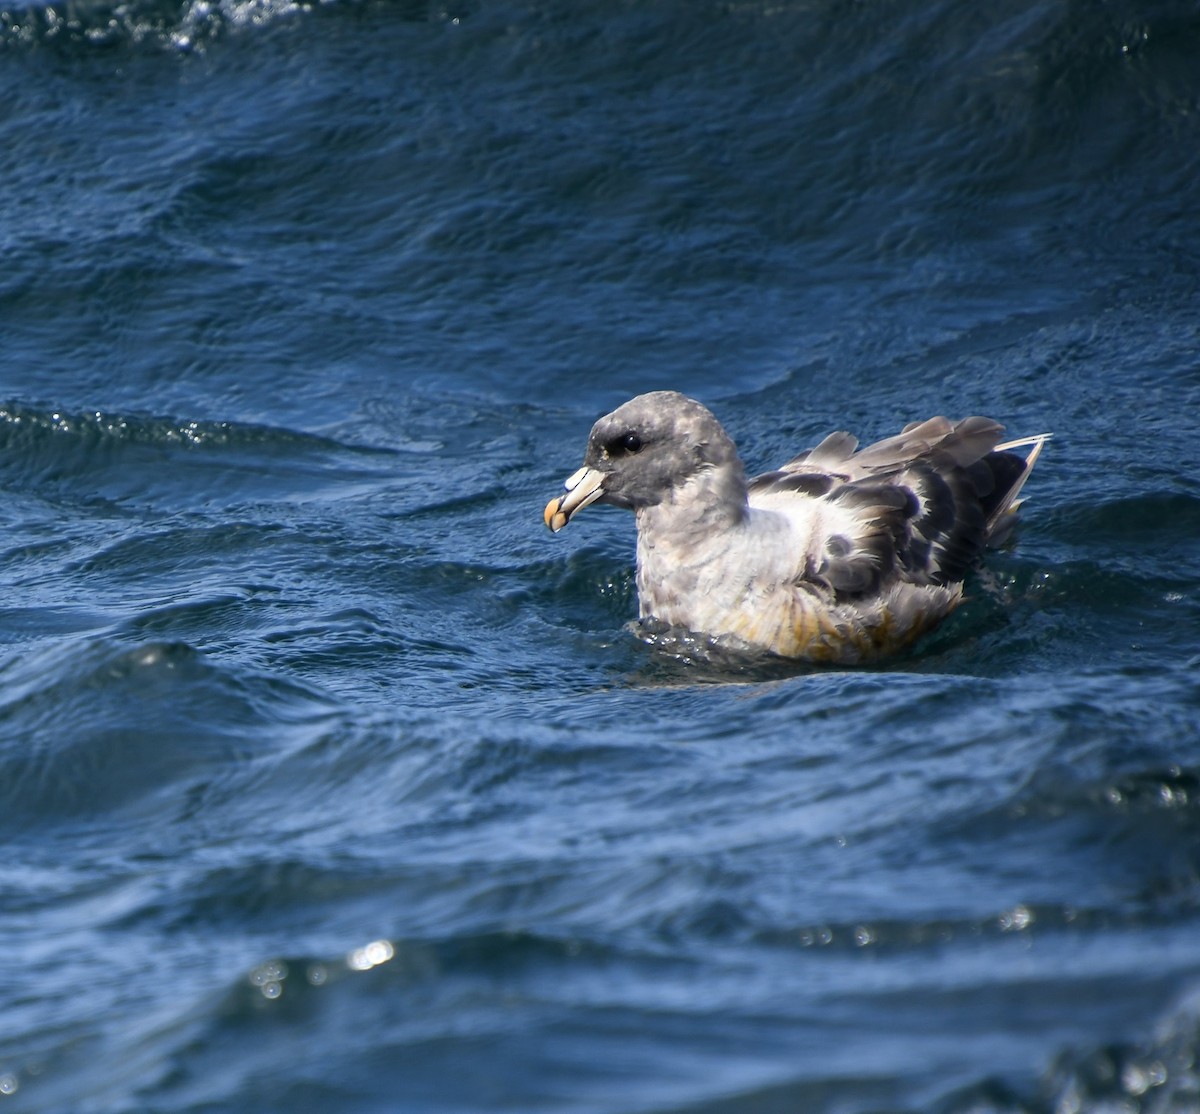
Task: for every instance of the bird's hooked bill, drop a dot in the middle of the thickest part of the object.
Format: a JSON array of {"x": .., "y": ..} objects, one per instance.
[{"x": 583, "y": 487}]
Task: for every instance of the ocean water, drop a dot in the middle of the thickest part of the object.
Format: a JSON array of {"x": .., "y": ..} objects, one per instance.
[{"x": 330, "y": 781}]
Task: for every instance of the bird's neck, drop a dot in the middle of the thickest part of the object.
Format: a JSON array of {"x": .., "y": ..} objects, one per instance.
[
  {"x": 712, "y": 500},
  {"x": 690, "y": 552}
]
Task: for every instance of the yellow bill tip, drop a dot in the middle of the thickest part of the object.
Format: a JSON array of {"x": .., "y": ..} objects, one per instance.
[{"x": 553, "y": 516}]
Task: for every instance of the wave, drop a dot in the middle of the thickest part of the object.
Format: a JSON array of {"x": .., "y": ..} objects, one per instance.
[
  {"x": 104, "y": 23},
  {"x": 102, "y": 459},
  {"x": 1153, "y": 1076},
  {"x": 103, "y": 732},
  {"x": 22, "y": 424},
  {"x": 168, "y": 25}
]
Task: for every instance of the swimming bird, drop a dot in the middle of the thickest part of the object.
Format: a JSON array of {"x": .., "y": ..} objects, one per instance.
[{"x": 837, "y": 556}]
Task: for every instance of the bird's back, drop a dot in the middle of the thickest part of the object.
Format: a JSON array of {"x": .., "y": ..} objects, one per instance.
[{"x": 917, "y": 508}]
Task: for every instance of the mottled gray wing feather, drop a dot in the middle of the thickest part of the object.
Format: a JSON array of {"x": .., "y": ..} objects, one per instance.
[
  {"x": 835, "y": 450},
  {"x": 921, "y": 505}
]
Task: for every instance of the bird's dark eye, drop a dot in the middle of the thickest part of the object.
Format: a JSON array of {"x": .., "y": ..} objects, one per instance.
[{"x": 624, "y": 444}]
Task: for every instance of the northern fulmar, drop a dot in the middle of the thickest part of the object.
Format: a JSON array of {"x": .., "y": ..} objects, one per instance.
[{"x": 837, "y": 556}]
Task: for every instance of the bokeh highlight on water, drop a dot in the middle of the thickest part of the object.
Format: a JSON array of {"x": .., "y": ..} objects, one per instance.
[{"x": 330, "y": 781}]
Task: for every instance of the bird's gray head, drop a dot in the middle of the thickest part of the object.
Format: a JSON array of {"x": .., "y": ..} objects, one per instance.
[{"x": 651, "y": 451}]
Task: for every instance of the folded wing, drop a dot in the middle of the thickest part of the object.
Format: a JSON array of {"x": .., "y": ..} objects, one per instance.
[{"x": 919, "y": 507}]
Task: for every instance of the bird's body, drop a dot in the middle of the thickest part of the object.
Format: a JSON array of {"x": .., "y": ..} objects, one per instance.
[{"x": 838, "y": 556}]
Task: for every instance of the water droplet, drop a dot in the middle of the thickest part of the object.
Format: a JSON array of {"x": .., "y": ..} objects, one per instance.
[
  {"x": 370, "y": 955},
  {"x": 274, "y": 971},
  {"x": 1134, "y": 1079},
  {"x": 1017, "y": 919},
  {"x": 317, "y": 975}
]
